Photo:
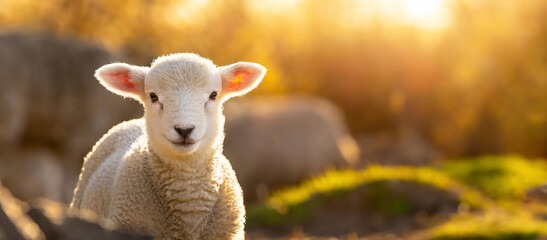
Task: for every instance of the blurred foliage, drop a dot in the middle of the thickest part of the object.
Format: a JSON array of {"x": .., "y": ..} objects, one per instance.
[
  {"x": 386, "y": 201},
  {"x": 499, "y": 177},
  {"x": 492, "y": 224},
  {"x": 475, "y": 86},
  {"x": 298, "y": 203},
  {"x": 504, "y": 177}
]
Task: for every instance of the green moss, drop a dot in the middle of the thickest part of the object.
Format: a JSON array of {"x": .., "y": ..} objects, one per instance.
[
  {"x": 386, "y": 201},
  {"x": 506, "y": 178},
  {"x": 499, "y": 176},
  {"x": 500, "y": 236},
  {"x": 264, "y": 214},
  {"x": 301, "y": 202},
  {"x": 492, "y": 224}
]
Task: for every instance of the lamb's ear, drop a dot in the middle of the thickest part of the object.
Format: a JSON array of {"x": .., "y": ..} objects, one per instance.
[
  {"x": 123, "y": 79},
  {"x": 240, "y": 78}
]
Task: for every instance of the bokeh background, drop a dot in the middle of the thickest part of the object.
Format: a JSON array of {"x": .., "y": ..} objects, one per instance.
[{"x": 377, "y": 119}]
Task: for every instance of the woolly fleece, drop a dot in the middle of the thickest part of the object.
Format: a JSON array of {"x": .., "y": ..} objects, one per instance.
[{"x": 194, "y": 195}]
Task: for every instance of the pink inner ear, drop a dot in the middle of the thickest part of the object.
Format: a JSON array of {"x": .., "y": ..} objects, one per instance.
[
  {"x": 124, "y": 80},
  {"x": 240, "y": 78}
]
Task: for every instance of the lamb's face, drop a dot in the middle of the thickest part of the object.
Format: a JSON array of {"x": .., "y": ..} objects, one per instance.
[
  {"x": 182, "y": 107},
  {"x": 182, "y": 95}
]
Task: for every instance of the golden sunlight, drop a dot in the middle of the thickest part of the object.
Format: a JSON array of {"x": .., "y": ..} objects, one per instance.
[{"x": 425, "y": 14}]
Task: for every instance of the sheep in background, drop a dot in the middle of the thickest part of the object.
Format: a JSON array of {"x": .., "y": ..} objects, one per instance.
[
  {"x": 52, "y": 111},
  {"x": 275, "y": 141},
  {"x": 165, "y": 174},
  {"x": 42, "y": 173}
]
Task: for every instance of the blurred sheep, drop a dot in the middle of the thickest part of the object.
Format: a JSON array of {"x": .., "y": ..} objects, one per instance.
[
  {"x": 276, "y": 141},
  {"x": 33, "y": 173},
  {"x": 50, "y": 100}
]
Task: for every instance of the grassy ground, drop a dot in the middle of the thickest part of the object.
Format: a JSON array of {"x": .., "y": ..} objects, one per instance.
[{"x": 489, "y": 191}]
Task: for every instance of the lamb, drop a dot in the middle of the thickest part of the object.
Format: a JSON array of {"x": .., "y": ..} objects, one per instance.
[{"x": 164, "y": 174}]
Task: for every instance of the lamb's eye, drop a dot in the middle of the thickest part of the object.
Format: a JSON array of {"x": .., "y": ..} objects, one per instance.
[
  {"x": 153, "y": 97},
  {"x": 213, "y": 95}
]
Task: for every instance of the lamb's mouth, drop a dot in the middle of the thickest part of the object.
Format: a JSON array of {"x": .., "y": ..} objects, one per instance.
[{"x": 185, "y": 143}]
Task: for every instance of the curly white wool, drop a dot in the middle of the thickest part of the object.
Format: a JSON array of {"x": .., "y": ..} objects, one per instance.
[{"x": 165, "y": 174}]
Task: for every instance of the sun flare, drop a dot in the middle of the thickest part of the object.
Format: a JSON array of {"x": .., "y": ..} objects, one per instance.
[{"x": 424, "y": 13}]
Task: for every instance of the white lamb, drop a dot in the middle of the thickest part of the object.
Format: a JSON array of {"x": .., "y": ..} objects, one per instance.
[{"x": 164, "y": 175}]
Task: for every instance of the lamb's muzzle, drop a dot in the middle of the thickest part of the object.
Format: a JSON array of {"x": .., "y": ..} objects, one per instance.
[{"x": 184, "y": 132}]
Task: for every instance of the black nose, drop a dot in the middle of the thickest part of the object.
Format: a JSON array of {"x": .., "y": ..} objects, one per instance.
[{"x": 184, "y": 132}]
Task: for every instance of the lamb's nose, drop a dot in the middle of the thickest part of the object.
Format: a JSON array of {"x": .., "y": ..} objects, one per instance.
[{"x": 184, "y": 132}]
